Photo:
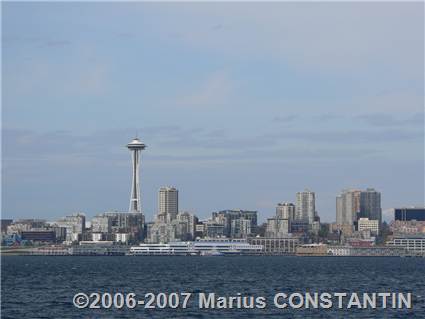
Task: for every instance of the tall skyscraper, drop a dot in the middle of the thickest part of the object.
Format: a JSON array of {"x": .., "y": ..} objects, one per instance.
[
  {"x": 353, "y": 204},
  {"x": 280, "y": 225},
  {"x": 285, "y": 211},
  {"x": 135, "y": 146},
  {"x": 168, "y": 203},
  {"x": 370, "y": 205},
  {"x": 305, "y": 207},
  {"x": 347, "y": 206}
]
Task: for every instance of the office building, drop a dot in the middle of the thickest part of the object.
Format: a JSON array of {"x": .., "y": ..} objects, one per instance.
[
  {"x": 189, "y": 220},
  {"x": 60, "y": 232},
  {"x": 168, "y": 204},
  {"x": 409, "y": 214},
  {"x": 101, "y": 224},
  {"x": 200, "y": 228},
  {"x": 161, "y": 232},
  {"x": 299, "y": 226},
  {"x": 285, "y": 211},
  {"x": 123, "y": 222},
  {"x": 213, "y": 230},
  {"x": 20, "y": 225},
  {"x": 277, "y": 227},
  {"x": 347, "y": 207},
  {"x": 367, "y": 224},
  {"x": 305, "y": 206},
  {"x": 225, "y": 218},
  {"x": 241, "y": 228},
  {"x": 39, "y": 235},
  {"x": 75, "y": 226},
  {"x": 370, "y": 205},
  {"x": 353, "y": 204}
]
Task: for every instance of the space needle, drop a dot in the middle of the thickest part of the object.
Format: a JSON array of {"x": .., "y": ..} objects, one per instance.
[{"x": 135, "y": 146}]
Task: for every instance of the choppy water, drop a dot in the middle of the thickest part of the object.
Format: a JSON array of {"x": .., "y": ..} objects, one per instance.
[{"x": 43, "y": 286}]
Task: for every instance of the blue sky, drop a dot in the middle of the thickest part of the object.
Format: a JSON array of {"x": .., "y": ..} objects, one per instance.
[{"x": 241, "y": 104}]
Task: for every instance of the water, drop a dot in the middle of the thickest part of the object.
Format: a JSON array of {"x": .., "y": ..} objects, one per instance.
[{"x": 43, "y": 286}]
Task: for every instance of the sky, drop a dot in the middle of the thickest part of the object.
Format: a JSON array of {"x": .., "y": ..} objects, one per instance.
[{"x": 241, "y": 105}]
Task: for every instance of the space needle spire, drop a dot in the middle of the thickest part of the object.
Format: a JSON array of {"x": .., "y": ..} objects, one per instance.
[{"x": 135, "y": 146}]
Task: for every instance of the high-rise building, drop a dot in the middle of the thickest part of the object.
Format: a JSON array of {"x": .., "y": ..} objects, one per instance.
[
  {"x": 285, "y": 211},
  {"x": 280, "y": 225},
  {"x": 305, "y": 206},
  {"x": 75, "y": 226},
  {"x": 101, "y": 224},
  {"x": 225, "y": 217},
  {"x": 240, "y": 228},
  {"x": 347, "y": 207},
  {"x": 353, "y": 204},
  {"x": 213, "y": 230},
  {"x": 190, "y": 221},
  {"x": 130, "y": 223},
  {"x": 135, "y": 146},
  {"x": 370, "y": 205},
  {"x": 168, "y": 204},
  {"x": 277, "y": 227}
]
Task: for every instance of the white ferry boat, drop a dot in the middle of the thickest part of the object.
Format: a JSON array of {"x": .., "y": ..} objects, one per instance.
[
  {"x": 204, "y": 247},
  {"x": 175, "y": 248}
]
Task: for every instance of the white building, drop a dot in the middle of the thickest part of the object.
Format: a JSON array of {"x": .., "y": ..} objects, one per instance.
[
  {"x": 75, "y": 226},
  {"x": 17, "y": 228},
  {"x": 415, "y": 244},
  {"x": 96, "y": 236},
  {"x": 367, "y": 224},
  {"x": 21, "y": 225},
  {"x": 122, "y": 237},
  {"x": 305, "y": 206}
]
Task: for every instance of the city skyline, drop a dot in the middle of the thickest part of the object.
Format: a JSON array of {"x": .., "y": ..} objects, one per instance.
[
  {"x": 234, "y": 116},
  {"x": 304, "y": 207}
]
